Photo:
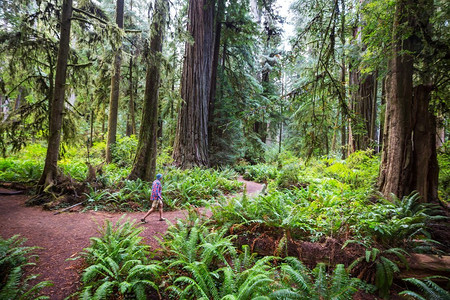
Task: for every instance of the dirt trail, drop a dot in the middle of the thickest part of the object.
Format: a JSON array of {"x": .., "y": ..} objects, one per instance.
[{"x": 64, "y": 235}]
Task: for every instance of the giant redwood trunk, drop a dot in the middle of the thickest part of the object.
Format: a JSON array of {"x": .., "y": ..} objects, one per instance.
[
  {"x": 115, "y": 89},
  {"x": 396, "y": 164},
  {"x": 50, "y": 173},
  {"x": 409, "y": 159},
  {"x": 144, "y": 165},
  {"x": 191, "y": 140}
]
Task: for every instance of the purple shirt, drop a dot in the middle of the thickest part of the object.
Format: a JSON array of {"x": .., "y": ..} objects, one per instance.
[{"x": 156, "y": 190}]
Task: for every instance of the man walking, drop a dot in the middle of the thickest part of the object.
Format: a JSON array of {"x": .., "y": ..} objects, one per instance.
[{"x": 156, "y": 198}]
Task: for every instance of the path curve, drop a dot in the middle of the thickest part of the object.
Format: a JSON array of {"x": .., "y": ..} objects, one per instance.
[{"x": 64, "y": 235}]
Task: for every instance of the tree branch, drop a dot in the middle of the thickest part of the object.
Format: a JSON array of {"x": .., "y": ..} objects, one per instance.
[{"x": 89, "y": 15}]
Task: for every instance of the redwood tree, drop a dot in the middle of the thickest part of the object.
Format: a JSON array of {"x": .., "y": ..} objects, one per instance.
[
  {"x": 144, "y": 165},
  {"x": 50, "y": 173},
  {"x": 191, "y": 141},
  {"x": 409, "y": 155}
]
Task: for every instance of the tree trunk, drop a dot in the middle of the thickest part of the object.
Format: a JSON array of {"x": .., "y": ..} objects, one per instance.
[
  {"x": 115, "y": 89},
  {"x": 215, "y": 64},
  {"x": 131, "y": 120},
  {"x": 18, "y": 101},
  {"x": 49, "y": 175},
  {"x": 366, "y": 102},
  {"x": 343, "y": 93},
  {"x": 425, "y": 168},
  {"x": 382, "y": 115},
  {"x": 191, "y": 140},
  {"x": 396, "y": 165},
  {"x": 363, "y": 99},
  {"x": 409, "y": 159},
  {"x": 144, "y": 165}
]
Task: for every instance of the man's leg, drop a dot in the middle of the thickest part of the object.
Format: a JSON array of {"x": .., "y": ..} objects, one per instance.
[
  {"x": 161, "y": 211},
  {"x": 148, "y": 213}
]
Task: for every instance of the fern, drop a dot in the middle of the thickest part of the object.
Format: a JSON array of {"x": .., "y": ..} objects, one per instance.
[
  {"x": 13, "y": 258},
  {"x": 119, "y": 263},
  {"x": 301, "y": 283},
  {"x": 429, "y": 289},
  {"x": 377, "y": 261}
]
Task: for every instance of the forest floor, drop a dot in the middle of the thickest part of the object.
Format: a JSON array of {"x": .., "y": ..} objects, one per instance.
[{"x": 64, "y": 236}]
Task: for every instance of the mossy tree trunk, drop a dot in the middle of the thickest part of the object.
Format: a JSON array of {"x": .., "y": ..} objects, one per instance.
[
  {"x": 115, "y": 88},
  {"x": 50, "y": 173},
  {"x": 144, "y": 165}
]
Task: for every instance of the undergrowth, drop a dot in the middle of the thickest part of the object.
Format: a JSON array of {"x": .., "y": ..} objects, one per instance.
[{"x": 14, "y": 258}]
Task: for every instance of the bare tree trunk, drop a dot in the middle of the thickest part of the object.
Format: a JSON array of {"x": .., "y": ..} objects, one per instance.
[
  {"x": 191, "y": 140},
  {"x": 115, "y": 89},
  {"x": 131, "y": 120},
  {"x": 50, "y": 173},
  {"x": 144, "y": 165}
]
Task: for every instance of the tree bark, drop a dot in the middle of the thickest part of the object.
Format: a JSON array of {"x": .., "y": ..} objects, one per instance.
[
  {"x": 343, "y": 89},
  {"x": 131, "y": 120},
  {"x": 409, "y": 160},
  {"x": 215, "y": 64},
  {"x": 191, "y": 141},
  {"x": 144, "y": 165},
  {"x": 395, "y": 170},
  {"x": 363, "y": 103},
  {"x": 425, "y": 167},
  {"x": 50, "y": 173},
  {"x": 115, "y": 89}
]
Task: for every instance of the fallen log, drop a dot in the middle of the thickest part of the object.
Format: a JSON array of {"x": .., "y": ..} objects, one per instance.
[{"x": 424, "y": 265}]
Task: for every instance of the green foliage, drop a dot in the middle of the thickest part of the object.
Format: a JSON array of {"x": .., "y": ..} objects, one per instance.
[
  {"x": 428, "y": 289},
  {"x": 259, "y": 173},
  {"x": 12, "y": 169},
  {"x": 193, "y": 186},
  {"x": 210, "y": 266},
  {"x": 124, "y": 150},
  {"x": 378, "y": 267},
  {"x": 311, "y": 213},
  {"x": 118, "y": 264},
  {"x": 399, "y": 222},
  {"x": 300, "y": 283},
  {"x": 14, "y": 257},
  {"x": 180, "y": 188}
]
